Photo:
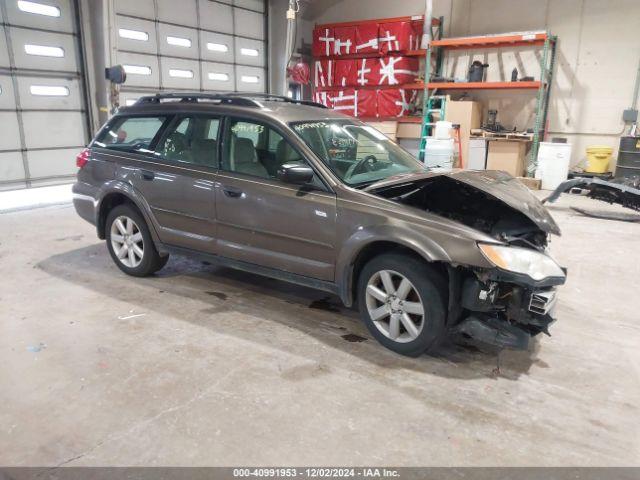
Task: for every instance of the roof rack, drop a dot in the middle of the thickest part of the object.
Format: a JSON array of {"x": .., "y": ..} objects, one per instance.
[{"x": 239, "y": 98}]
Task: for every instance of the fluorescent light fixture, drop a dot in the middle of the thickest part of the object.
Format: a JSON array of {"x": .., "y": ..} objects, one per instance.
[
  {"x": 217, "y": 47},
  {"x": 38, "y": 8},
  {"x": 133, "y": 34},
  {"x": 249, "y": 52},
  {"x": 43, "y": 50},
  {"x": 137, "y": 69},
  {"x": 249, "y": 78},
  {"x": 174, "y": 72},
  {"x": 49, "y": 90},
  {"x": 179, "y": 42},
  {"x": 221, "y": 77},
  {"x": 130, "y": 101}
]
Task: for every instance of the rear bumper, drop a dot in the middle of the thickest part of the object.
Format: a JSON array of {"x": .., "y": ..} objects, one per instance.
[{"x": 85, "y": 201}]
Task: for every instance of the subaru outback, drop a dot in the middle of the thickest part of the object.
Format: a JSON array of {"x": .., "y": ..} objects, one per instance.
[{"x": 294, "y": 191}]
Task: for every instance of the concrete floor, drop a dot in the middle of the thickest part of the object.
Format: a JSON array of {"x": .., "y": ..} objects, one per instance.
[{"x": 206, "y": 366}]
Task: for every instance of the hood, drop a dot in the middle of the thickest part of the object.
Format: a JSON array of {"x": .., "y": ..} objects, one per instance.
[{"x": 499, "y": 185}]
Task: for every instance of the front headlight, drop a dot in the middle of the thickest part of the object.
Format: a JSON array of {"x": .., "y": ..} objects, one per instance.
[{"x": 521, "y": 260}]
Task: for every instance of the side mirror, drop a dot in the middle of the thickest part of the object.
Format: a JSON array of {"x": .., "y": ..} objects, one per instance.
[{"x": 295, "y": 173}]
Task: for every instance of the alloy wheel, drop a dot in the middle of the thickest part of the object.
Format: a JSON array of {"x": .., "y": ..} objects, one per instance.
[
  {"x": 127, "y": 241},
  {"x": 395, "y": 306}
]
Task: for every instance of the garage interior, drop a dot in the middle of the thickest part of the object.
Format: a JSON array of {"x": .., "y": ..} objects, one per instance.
[{"x": 201, "y": 365}]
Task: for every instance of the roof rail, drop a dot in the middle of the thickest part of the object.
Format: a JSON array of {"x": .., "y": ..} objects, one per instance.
[{"x": 236, "y": 98}]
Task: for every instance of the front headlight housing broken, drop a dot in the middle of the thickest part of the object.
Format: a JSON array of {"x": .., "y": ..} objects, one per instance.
[{"x": 536, "y": 265}]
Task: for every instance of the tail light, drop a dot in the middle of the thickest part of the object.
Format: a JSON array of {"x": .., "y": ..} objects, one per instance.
[{"x": 83, "y": 158}]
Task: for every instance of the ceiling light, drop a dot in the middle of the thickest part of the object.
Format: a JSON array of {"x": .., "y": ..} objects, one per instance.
[
  {"x": 43, "y": 50},
  {"x": 133, "y": 34},
  {"x": 137, "y": 69},
  {"x": 179, "y": 42},
  {"x": 250, "y": 78},
  {"x": 249, "y": 52},
  {"x": 174, "y": 72},
  {"x": 217, "y": 47},
  {"x": 38, "y": 8},
  {"x": 221, "y": 77},
  {"x": 49, "y": 90}
]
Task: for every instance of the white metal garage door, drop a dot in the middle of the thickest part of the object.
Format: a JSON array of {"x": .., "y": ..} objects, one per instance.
[
  {"x": 42, "y": 103},
  {"x": 190, "y": 45}
]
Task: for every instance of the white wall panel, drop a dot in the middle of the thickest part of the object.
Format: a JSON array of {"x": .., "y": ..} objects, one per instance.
[
  {"x": 62, "y": 129},
  {"x": 140, "y": 60},
  {"x": 7, "y": 97},
  {"x": 139, "y": 26},
  {"x": 4, "y": 52},
  {"x": 216, "y": 16},
  {"x": 29, "y": 100},
  {"x": 63, "y": 23},
  {"x": 182, "y": 12},
  {"x": 248, "y": 24},
  {"x": 245, "y": 77},
  {"x": 245, "y": 52},
  {"x": 212, "y": 76},
  {"x": 136, "y": 8},
  {"x": 10, "y": 137},
  {"x": 21, "y": 37},
  {"x": 128, "y": 98},
  {"x": 177, "y": 67},
  {"x": 48, "y": 163},
  {"x": 218, "y": 39},
  {"x": 11, "y": 166},
  {"x": 179, "y": 35},
  {"x": 257, "y": 5}
]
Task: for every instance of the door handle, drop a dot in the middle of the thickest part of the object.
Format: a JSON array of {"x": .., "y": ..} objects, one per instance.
[
  {"x": 147, "y": 174},
  {"x": 232, "y": 192}
]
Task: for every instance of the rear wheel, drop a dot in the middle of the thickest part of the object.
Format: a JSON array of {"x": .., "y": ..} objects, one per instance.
[
  {"x": 402, "y": 303},
  {"x": 130, "y": 244}
]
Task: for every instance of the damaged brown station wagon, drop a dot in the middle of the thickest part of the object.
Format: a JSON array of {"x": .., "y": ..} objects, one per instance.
[{"x": 291, "y": 190}]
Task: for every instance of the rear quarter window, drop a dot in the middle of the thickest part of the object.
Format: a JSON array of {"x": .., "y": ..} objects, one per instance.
[{"x": 130, "y": 133}]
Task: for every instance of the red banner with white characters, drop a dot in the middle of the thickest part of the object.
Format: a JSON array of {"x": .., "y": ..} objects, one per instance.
[
  {"x": 398, "y": 36},
  {"x": 397, "y": 70},
  {"x": 323, "y": 98},
  {"x": 367, "y": 72},
  {"x": 367, "y": 103},
  {"x": 345, "y": 73},
  {"x": 366, "y": 38},
  {"x": 345, "y": 101},
  {"x": 323, "y": 42},
  {"x": 345, "y": 40},
  {"x": 396, "y": 102},
  {"x": 323, "y": 73}
]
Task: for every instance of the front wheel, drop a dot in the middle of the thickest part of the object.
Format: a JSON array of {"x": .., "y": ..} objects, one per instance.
[
  {"x": 402, "y": 303},
  {"x": 130, "y": 244}
]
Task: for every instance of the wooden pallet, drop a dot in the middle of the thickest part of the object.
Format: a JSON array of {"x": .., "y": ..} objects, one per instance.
[{"x": 479, "y": 133}]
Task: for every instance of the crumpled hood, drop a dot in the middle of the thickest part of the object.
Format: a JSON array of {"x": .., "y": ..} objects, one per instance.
[{"x": 499, "y": 185}]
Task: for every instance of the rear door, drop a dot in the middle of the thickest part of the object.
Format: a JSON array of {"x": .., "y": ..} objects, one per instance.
[{"x": 264, "y": 221}]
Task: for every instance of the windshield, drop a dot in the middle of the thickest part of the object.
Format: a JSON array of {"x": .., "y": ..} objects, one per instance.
[{"x": 358, "y": 154}]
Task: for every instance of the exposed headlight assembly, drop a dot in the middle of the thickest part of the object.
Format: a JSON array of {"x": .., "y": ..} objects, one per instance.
[{"x": 536, "y": 265}]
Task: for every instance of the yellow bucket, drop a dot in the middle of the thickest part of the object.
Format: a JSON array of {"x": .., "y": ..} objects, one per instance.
[{"x": 598, "y": 157}]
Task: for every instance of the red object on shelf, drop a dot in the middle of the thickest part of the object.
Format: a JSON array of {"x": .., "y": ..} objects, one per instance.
[
  {"x": 323, "y": 98},
  {"x": 398, "y": 36},
  {"x": 367, "y": 103},
  {"x": 323, "y": 73},
  {"x": 367, "y": 72},
  {"x": 323, "y": 42},
  {"x": 344, "y": 74},
  {"x": 366, "y": 38},
  {"x": 299, "y": 73},
  {"x": 345, "y": 40},
  {"x": 397, "y": 70},
  {"x": 396, "y": 102},
  {"x": 345, "y": 101}
]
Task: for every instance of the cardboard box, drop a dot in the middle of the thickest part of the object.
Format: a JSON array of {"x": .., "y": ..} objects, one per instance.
[
  {"x": 468, "y": 115},
  {"x": 409, "y": 130},
  {"x": 388, "y": 128},
  {"x": 507, "y": 155},
  {"x": 531, "y": 183}
]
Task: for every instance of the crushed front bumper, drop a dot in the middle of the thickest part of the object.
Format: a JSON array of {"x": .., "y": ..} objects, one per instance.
[{"x": 504, "y": 311}]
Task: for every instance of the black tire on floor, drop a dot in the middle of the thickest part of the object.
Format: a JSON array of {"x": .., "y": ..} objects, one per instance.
[
  {"x": 151, "y": 260},
  {"x": 429, "y": 284}
]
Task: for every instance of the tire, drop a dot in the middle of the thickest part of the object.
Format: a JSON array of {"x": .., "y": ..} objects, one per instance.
[
  {"x": 415, "y": 333},
  {"x": 137, "y": 265}
]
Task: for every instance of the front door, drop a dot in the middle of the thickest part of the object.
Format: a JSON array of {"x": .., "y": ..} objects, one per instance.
[{"x": 264, "y": 221}]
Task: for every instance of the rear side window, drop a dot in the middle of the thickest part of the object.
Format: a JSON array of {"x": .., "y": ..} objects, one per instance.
[
  {"x": 191, "y": 140},
  {"x": 130, "y": 134}
]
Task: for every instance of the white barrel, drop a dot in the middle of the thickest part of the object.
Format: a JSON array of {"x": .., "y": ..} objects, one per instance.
[
  {"x": 439, "y": 153},
  {"x": 553, "y": 164},
  {"x": 443, "y": 130}
]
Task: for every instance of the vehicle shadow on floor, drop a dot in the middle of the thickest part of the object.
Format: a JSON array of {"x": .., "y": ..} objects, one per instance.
[{"x": 215, "y": 296}]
